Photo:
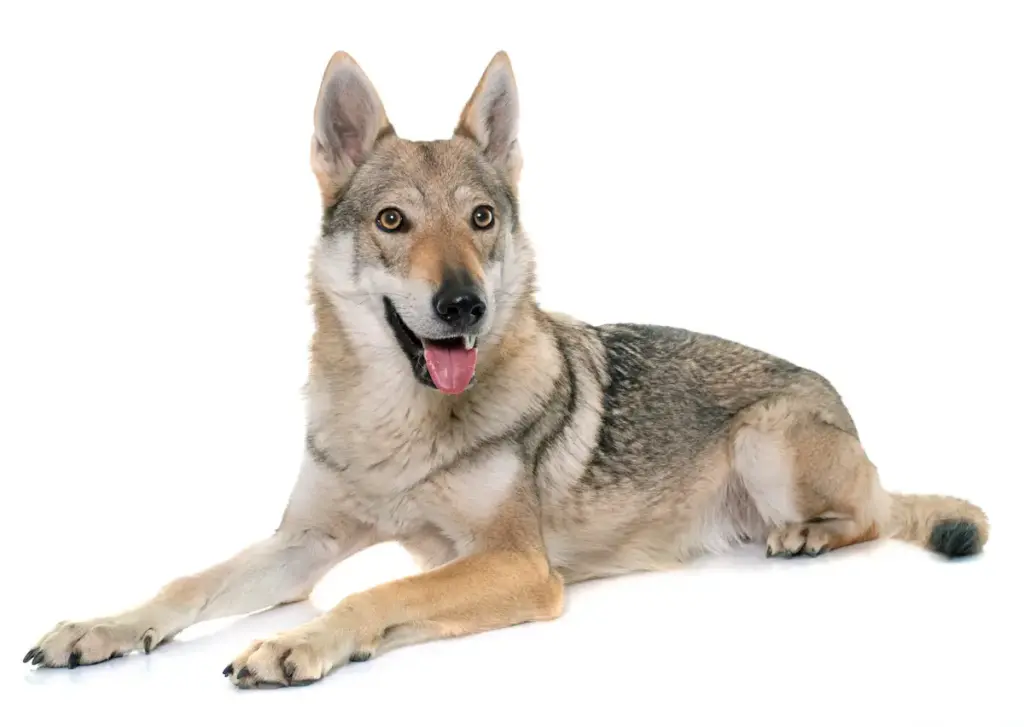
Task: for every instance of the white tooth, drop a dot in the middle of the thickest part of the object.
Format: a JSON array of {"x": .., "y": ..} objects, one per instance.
[{"x": 469, "y": 342}]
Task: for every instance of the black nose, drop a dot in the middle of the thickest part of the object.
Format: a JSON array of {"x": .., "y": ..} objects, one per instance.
[{"x": 459, "y": 305}]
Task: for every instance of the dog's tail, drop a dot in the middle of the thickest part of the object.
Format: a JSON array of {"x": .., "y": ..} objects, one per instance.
[{"x": 946, "y": 525}]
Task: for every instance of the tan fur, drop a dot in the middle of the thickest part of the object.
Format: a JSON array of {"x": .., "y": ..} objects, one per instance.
[
  {"x": 508, "y": 582},
  {"x": 579, "y": 452},
  {"x": 431, "y": 252},
  {"x": 913, "y": 517},
  {"x": 468, "y": 125},
  {"x": 832, "y": 479},
  {"x": 333, "y": 171},
  {"x": 472, "y": 120},
  {"x": 469, "y": 120}
]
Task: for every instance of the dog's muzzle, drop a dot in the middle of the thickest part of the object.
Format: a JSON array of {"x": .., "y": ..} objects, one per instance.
[{"x": 446, "y": 364}]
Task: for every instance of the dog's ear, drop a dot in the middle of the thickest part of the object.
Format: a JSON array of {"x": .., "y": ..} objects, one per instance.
[
  {"x": 491, "y": 117},
  {"x": 348, "y": 120}
]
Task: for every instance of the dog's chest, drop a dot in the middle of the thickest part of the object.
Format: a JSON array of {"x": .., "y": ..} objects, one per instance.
[{"x": 410, "y": 487}]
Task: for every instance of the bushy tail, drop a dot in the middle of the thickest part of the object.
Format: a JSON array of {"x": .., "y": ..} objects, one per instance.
[{"x": 946, "y": 525}]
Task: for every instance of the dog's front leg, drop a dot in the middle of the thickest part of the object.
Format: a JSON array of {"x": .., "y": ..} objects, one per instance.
[
  {"x": 280, "y": 569},
  {"x": 507, "y": 581}
]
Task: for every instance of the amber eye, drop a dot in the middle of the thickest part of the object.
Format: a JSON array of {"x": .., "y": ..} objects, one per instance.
[
  {"x": 390, "y": 220},
  {"x": 483, "y": 217}
]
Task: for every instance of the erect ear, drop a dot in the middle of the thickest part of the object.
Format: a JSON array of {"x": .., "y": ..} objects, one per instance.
[
  {"x": 491, "y": 117},
  {"x": 347, "y": 121}
]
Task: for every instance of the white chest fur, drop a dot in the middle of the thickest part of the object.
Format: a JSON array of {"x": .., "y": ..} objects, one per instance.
[{"x": 399, "y": 496}]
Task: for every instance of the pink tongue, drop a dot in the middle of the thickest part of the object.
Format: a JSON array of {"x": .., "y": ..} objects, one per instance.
[{"x": 450, "y": 368}]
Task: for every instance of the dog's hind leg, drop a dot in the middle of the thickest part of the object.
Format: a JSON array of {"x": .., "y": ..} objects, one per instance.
[
  {"x": 814, "y": 486},
  {"x": 810, "y": 479},
  {"x": 280, "y": 569}
]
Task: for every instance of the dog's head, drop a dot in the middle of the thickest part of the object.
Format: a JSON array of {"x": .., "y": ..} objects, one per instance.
[{"x": 420, "y": 239}]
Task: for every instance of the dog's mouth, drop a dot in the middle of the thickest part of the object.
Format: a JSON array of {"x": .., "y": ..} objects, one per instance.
[{"x": 448, "y": 364}]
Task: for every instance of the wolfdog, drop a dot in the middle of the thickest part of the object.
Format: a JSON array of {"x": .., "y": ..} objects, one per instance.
[{"x": 512, "y": 451}]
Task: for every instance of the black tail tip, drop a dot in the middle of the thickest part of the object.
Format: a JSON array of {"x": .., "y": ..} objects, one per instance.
[{"x": 955, "y": 538}]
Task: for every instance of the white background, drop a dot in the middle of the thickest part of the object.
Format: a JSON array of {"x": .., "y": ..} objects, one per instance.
[{"x": 838, "y": 183}]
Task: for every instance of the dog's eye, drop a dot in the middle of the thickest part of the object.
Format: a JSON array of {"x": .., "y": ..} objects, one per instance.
[
  {"x": 390, "y": 220},
  {"x": 483, "y": 217}
]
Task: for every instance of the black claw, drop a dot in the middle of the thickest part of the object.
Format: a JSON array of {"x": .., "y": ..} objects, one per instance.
[
  {"x": 38, "y": 658},
  {"x": 288, "y": 669},
  {"x": 147, "y": 643},
  {"x": 228, "y": 670},
  {"x": 244, "y": 672},
  {"x": 812, "y": 553},
  {"x": 303, "y": 682},
  {"x": 768, "y": 553},
  {"x": 74, "y": 660},
  {"x": 31, "y": 653},
  {"x": 361, "y": 656}
]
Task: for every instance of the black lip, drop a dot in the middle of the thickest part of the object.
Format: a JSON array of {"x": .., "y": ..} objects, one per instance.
[{"x": 412, "y": 345}]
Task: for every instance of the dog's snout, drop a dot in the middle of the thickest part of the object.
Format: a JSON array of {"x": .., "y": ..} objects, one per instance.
[{"x": 459, "y": 305}]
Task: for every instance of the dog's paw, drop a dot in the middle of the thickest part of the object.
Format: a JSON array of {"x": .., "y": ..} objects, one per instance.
[
  {"x": 73, "y": 644},
  {"x": 811, "y": 539},
  {"x": 296, "y": 658}
]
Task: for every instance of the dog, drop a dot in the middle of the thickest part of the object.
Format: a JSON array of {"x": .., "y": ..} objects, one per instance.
[{"x": 512, "y": 451}]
